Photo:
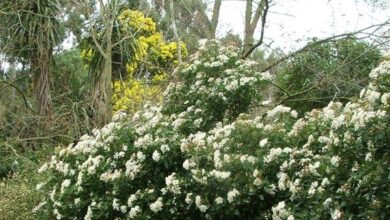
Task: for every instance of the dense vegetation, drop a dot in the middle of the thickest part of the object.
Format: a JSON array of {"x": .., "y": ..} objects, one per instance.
[
  {"x": 151, "y": 115},
  {"x": 204, "y": 158}
]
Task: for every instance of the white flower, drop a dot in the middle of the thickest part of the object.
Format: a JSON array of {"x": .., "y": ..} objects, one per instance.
[
  {"x": 131, "y": 199},
  {"x": 336, "y": 214},
  {"x": 263, "y": 142},
  {"x": 313, "y": 167},
  {"x": 198, "y": 203},
  {"x": 219, "y": 200},
  {"x": 173, "y": 183},
  {"x": 266, "y": 76},
  {"x": 202, "y": 42},
  {"x": 57, "y": 214},
  {"x": 39, "y": 186},
  {"x": 291, "y": 217},
  {"x": 39, "y": 206},
  {"x": 119, "y": 116},
  {"x": 43, "y": 168},
  {"x": 188, "y": 199},
  {"x": 164, "y": 148},
  {"x": 283, "y": 179},
  {"x": 134, "y": 211},
  {"x": 188, "y": 164},
  {"x": 198, "y": 121},
  {"x": 223, "y": 58},
  {"x": 157, "y": 205},
  {"x": 220, "y": 174},
  {"x": 266, "y": 103},
  {"x": 335, "y": 160},
  {"x": 327, "y": 202},
  {"x": 64, "y": 185},
  {"x": 141, "y": 156},
  {"x": 385, "y": 98},
  {"x": 279, "y": 212},
  {"x": 313, "y": 188},
  {"x": 132, "y": 168},
  {"x": 115, "y": 204},
  {"x": 108, "y": 176},
  {"x": 278, "y": 110},
  {"x": 325, "y": 182},
  {"x": 123, "y": 209},
  {"x": 274, "y": 152},
  {"x": 89, "y": 215},
  {"x": 232, "y": 195},
  {"x": 372, "y": 96},
  {"x": 156, "y": 156},
  {"x": 368, "y": 156},
  {"x": 294, "y": 114}
]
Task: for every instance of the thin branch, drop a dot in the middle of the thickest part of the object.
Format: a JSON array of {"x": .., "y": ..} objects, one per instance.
[
  {"x": 263, "y": 21},
  {"x": 21, "y": 93},
  {"x": 319, "y": 42},
  {"x": 174, "y": 29}
]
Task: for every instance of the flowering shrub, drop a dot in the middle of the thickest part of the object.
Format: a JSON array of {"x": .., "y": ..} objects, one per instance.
[{"x": 164, "y": 164}]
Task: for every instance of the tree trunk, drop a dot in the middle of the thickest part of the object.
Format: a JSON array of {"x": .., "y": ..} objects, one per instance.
[
  {"x": 248, "y": 32},
  {"x": 251, "y": 21},
  {"x": 215, "y": 18},
  {"x": 103, "y": 93},
  {"x": 174, "y": 28},
  {"x": 41, "y": 82},
  {"x": 12, "y": 72}
]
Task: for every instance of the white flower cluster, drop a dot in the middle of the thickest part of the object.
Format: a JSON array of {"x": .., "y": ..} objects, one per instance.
[{"x": 157, "y": 166}]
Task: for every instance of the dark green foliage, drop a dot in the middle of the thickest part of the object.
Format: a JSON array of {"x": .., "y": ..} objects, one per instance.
[{"x": 335, "y": 70}]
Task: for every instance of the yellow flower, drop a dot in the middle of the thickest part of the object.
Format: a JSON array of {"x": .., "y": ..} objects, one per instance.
[{"x": 132, "y": 94}]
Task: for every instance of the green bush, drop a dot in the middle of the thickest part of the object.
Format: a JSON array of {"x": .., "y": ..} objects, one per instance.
[
  {"x": 18, "y": 194},
  {"x": 331, "y": 164}
]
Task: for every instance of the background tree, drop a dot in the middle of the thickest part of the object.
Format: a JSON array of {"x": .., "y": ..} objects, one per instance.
[
  {"x": 252, "y": 18},
  {"x": 110, "y": 48},
  {"x": 336, "y": 70},
  {"x": 195, "y": 23},
  {"x": 31, "y": 31}
]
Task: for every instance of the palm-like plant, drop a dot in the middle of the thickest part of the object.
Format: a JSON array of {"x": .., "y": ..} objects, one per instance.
[
  {"x": 111, "y": 46},
  {"x": 31, "y": 29}
]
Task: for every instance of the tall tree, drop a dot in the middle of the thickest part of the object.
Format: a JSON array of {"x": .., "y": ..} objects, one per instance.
[
  {"x": 31, "y": 30},
  {"x": 252, "y": 19},
  {"x": 111, "y": 47},
  {"x": 195, "y": 23}
]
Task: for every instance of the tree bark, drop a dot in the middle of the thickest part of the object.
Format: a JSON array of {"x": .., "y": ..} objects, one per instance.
[
  {"x": 12, "y": 72},
  {"x": 41, "y": 83},
  {"x": 215, "y": 18},
  {"x": 102, "y": 86},
  {"x": 251, "y": 21},
  {"x": 174, "y": 28},
  {"x": 103, "y": 92}
]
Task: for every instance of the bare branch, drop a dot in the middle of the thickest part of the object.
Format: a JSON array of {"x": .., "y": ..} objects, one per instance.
[
  {"x": 20, "y": 92},
  {"x": 319, "y": 42},
  {"x": 263, "y": 21},
  {"x": 174, "y": 28}
]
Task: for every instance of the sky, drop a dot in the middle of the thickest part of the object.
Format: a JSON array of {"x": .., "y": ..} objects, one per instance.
[{"x": 291, "y": 22}]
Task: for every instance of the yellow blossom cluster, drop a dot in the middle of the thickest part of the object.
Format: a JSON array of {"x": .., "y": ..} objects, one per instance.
[
  {"x": 130, "y": 95},
  {"x": 154, "y": 54},
  {"x": 137, "y": 20}
]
